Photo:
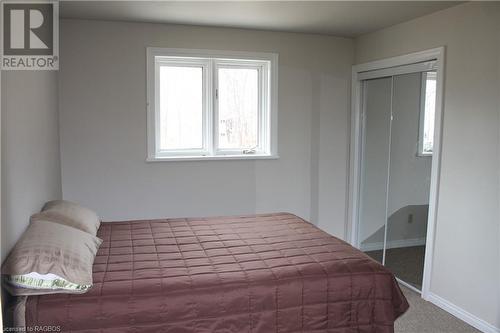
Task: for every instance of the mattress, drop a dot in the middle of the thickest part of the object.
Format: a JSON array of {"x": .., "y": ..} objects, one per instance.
[{"x": 260, "y": 273}]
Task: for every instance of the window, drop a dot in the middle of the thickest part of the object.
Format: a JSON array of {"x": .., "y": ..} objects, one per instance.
[
  {"x": 211, "y": 104},
  {"x": 427, "y": 114}
]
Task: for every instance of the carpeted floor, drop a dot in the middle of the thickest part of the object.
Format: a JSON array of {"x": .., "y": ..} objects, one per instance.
[
  {"x": 407, "y": 263},
  {"x": 425, "y": 317}
]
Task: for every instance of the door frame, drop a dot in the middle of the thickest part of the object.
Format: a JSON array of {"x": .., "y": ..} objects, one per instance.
[{"x": 384, "y": 67}]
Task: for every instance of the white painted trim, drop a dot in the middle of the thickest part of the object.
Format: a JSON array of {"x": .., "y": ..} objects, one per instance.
[
  {"x": 355, "y": 147},
  {"x": 351, "y": 228},
  {"x": 435, "y": 172},
  {"x": 389, "y": 154},
  {"x": 399, "y": 243},
  {"x": 461, "y": 314},
  {"x": 220, "y": 54},
  {"x": 401, "y": 60},
  {"x": 213, "y": 158},
  {"x": 268, "y": 64},
  {"x": 405, "y": 69}
]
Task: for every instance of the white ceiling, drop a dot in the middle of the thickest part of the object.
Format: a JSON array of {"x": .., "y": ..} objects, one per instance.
[{"x": 340, "y": 18}]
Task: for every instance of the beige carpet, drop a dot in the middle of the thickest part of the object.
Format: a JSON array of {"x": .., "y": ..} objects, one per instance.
[{"x": 425, "y": 317}]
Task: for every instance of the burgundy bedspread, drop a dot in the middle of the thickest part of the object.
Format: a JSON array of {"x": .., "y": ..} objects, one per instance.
[{"x": 263, "y": 273}]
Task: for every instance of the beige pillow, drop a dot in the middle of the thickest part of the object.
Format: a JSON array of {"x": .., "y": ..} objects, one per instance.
[
  {"x": 49, "y": 258},
  {"x": 70, "y": 214}
]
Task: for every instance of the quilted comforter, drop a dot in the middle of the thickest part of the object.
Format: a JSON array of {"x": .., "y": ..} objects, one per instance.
[{"x": 263, "y": 273}]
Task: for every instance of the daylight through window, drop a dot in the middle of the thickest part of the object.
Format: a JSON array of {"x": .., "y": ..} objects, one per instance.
[
  {"x": 427, "y": 113},
  {"x": 210, "y": 106}
]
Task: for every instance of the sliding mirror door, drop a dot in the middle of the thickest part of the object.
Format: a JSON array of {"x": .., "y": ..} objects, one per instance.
[
  {"x": 398, "y": 129},
  {"x": 375, "y": 158},
  {"x": 409, "y": 178}
]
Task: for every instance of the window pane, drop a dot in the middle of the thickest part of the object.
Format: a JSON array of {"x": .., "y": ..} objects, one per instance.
[
  {"x": 238, "y": 108},
  {"x": 430, "y": 108},
  {"x": 181, "y": 107}
]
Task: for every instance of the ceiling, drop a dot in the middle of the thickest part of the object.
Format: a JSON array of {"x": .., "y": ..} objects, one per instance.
[{"x": 339, "y": 18}]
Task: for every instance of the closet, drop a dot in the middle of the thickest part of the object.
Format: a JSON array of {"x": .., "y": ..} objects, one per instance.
[{"x": 397, "y": 119}]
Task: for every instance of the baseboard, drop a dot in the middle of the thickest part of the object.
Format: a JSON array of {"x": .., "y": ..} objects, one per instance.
[
  {"x": 393, "y": 244},
  {"x": 461, "y": 314}
]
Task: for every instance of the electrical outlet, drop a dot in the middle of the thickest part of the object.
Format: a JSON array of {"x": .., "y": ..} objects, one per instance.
[{"x": 410, "y": 218}]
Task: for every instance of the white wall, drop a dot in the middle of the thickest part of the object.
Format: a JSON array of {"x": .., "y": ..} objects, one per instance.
[
  {"x": 103, "y": 127},
  {"x": 30, "y": 149},
  {"x": 466, "y": 255}
]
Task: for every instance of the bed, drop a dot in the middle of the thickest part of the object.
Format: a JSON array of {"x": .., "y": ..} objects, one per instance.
[{"x": 260, "y": 273}]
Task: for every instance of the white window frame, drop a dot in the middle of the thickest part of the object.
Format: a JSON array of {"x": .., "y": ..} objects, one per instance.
[{"x": 210, "y": 61}]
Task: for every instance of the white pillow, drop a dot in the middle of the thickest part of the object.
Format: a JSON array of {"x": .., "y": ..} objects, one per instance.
[
  {"x": 70, "y": 214},
  {"x": 50, "y": 257}
]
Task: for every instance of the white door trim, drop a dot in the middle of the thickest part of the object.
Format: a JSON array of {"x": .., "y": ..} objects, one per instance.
[{"x": 358, "y": 71}]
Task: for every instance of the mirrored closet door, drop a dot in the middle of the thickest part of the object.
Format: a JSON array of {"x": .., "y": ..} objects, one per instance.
[{"x": 398, "y": 130}]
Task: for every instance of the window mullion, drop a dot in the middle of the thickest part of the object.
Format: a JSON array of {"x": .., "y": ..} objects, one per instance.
[
  {"x": 261, "y": 111},
  {"x": 208, "y": 105},
  {"x": 215, "y": 108},
  {"x": 263, "y": 116},
  {"x": 156, "y": 106}
]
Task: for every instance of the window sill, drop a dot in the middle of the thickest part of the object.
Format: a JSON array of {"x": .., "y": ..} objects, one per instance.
[{"x": 212, "y": 158}]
